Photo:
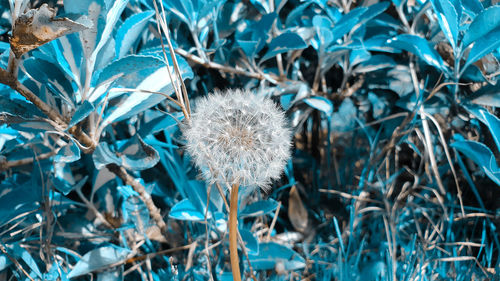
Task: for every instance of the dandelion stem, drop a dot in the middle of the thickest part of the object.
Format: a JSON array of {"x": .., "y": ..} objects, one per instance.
[{"x": 233, "y": 233}]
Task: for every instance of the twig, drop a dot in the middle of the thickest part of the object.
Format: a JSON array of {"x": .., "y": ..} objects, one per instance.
[
  {"x": 8, "y": 79},
  {"x": 228, "y": 69},
  {"x": 273, "y": 223},
  {"x": 154, "y": 212},
  {"x": 11, "y": 164},
  {"x": 182, "y": 97},
  {"x": 14, "y": 261}
]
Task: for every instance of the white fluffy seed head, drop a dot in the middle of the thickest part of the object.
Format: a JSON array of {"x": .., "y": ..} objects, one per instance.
[{"x": 237, "y": 137}]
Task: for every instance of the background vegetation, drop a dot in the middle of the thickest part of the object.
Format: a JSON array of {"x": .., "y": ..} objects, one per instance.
[{"x": 394, "y": 109}]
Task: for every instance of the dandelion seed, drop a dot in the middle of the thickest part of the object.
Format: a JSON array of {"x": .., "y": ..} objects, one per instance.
[{"x": 236, "y": 137}]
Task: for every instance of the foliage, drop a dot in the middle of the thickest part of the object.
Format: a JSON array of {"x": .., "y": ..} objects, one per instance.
[{"x": 394, "y": 107}]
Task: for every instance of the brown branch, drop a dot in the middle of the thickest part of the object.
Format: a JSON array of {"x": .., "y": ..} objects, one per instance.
[
  {"x": 5, "y": 165},
  {"x": 223, "y": 68},
  {"x": 154, "y": 212},
  {"x": 7, "y": 78}
]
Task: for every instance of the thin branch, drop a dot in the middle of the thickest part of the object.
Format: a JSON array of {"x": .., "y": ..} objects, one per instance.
[
  {"x": 25, "y": 161},
  {"x": 12, "y": 82},
  {"x": 9, "y": 78},
  {"x": 228, "y": 69},
  {"x": 154, "y": 212},
  {"x": 14, "y": 261}
]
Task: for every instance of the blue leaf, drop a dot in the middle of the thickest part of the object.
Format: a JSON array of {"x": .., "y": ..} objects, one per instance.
[
  {"x": 474, "y": 7},
  {"x": 17, "y": 107},
  {"x": 487, "y": 96},
  {"x": 253, "y": 39},
  {"x": 482, "y": 156},
  {"x": 78, "y": 7},
  {"x": 283, "y": 43},
  {"x": 68, "y": 154},
  {"x": 145, "y": 73},
  {"x": 251, "y": 243},
  {"x": 484, "y": 23},
  {"x": 196, "y": 191},
  {"x": 379, "y": 43},
  {"x": 97, "y": 259},
  {"x": 129, "y": 67},
  {"x": 63, "y": 179},
  {"x": 112, "y": 16},
  {"x": 16, "y": 200},
  {"x": 448, "y": 19},
  {"x": 323, "y": 26},
  {"x": 420, "y": 47},
  {"x": 345, "y": 119},
  {"x": 347, "y": 22},
  {"x": 375, "y": 63},
  {"x": 493, "y": 124},
  {"x": 164, "y": 122},
  {"x": 33, "y": 127},
  {"x": 484, "y": 46},
  {"x": 51, "y": 75},
  {"x": 184, "y": 210},
  {"x": 184, "y": 10},
  {"x": 358, "y": 56},
  {"x": 259, "y": 208},
  {"x": 135, "y": 155},
  {"x": 4, "y": 262},
  {"x": 373, "y": 11},
  {"x": 129, "y": 31},
  {"x": 82, "y": 111},
  {"x": 21, "y": 253},
  {"x": 321, "y": 104},
  {"x": 271, "y": 253}
]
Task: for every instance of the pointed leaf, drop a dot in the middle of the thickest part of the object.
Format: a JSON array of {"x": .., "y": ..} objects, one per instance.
[
  {"x": 68, "y": 154},
  {"x": 482, "y": 156},
  {"x": 259, "y": 208},
  {"x": 484, "y": 46},
  {"x": 283, "y": 43},
  {"x": 448, "y": 19},
  {"x": 82, "y": 111},
  {"x": 129, "y": 32},
  {"x": 251, "y": 243},
  {"x": 321, "y": 104},
  {"x": 493, "y": 124},
  {"x": 97, "y": 259},
  {"x": 484, "y": 23},
  {"x": 134, "y": 154},
  {"x": 420, "y": 47},
  {"x": 184, "y": 210},
  {"x": 271, "y": 253}
]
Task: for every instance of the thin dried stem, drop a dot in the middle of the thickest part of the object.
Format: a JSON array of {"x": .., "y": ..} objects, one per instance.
[{"x": 154, "y": 212}]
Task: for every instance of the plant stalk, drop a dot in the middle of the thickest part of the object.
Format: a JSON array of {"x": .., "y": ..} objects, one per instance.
[{"x": 233, "y": 233}]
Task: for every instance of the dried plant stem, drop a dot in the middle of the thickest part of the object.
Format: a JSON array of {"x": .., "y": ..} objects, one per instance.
[
  {"x": 9, "y": 78},
  {"x": 233, "y": 233},
  {"x": 154, "y": 212},
  {"x": 228, "y": 69}
]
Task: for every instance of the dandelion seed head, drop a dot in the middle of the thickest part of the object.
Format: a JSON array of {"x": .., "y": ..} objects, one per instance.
[{"x": 237, "y": 137}]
